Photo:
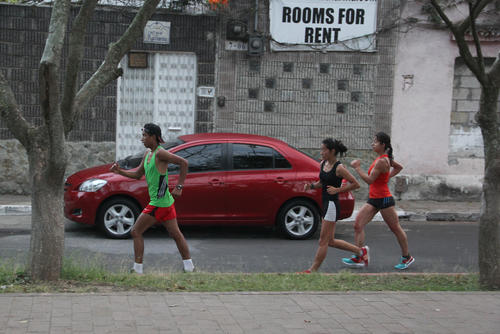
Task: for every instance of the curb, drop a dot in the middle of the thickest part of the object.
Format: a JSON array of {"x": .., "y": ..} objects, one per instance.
[
  {"x": 15, "y": 210},
  {"x": 25, "y": 210},
  {"x": 378, "y": 217},
  {"x": 424, "y": 216}
]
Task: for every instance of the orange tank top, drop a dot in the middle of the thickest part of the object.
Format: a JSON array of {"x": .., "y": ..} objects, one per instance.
[{"x": 379, "y": 187}]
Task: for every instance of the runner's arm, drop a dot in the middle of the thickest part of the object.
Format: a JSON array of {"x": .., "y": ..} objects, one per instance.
[
  {"x": 352, "y": 183},
  {"x": 168, "y": 157},
  {"x": 313, "y": 185},
  {"x": 396, "y": 168},
  {"x": 135, "y": 174},
  {"x": 379, "y": 167}
]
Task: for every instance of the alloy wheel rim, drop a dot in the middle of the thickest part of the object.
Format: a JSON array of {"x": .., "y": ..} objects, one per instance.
[
  {"x": 119, "y": 219},
  {"x": 299, "y": 220}
]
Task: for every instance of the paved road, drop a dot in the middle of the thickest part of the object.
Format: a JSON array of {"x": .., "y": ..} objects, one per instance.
[{"x": 437, "y": 247}]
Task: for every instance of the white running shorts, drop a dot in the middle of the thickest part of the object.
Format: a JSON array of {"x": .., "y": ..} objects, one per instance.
[{"x": 331, "y": 212}]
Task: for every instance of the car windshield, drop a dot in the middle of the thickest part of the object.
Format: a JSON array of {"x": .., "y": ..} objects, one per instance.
[{"x": 133, "y": 161}]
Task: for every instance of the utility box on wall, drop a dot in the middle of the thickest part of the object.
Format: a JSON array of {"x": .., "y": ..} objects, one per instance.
[{"x": 255, "y": 45}]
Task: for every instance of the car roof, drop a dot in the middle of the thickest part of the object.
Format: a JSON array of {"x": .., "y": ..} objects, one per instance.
[{"x": 230, "y": 136}]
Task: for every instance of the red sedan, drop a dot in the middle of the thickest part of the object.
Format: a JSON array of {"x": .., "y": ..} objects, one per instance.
[{"x": 232, "y": 179}]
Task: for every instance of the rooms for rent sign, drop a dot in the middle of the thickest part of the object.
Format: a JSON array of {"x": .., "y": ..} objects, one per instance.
[{"x": 329, "y": 25}]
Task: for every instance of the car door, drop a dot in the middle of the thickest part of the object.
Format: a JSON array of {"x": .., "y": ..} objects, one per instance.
[
  {"x": 203, "y": 196},
  {"x": 255, "y": 188}
]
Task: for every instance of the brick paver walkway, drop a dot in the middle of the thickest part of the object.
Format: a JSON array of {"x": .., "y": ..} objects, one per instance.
[{"x": 355, "y": 312}]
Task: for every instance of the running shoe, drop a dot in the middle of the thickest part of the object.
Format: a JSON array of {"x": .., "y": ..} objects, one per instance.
[
  {"x": 132, "y": 271},
  {"x": 366, "y": 255},
  {"x": 307, "y": 271},
  {"x": 358, "y": 260},
  {"x": 404, "y": 263},
  {"x": 353, "y": 261}
]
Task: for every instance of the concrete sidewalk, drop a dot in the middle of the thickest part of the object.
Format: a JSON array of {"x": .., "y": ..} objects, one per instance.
[
  {"x": 351, "y": 312},
  {"x": 407, "y": 210}
]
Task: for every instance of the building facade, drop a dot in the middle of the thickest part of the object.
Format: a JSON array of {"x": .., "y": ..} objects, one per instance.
[{"x": 228, "y": 71}]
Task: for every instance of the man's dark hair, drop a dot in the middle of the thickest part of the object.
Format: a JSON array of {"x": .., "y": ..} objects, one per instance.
[{"x": 153, "y": 130}]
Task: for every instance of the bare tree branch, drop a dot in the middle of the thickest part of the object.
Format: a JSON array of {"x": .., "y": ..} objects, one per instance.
[
  {"x": 11, "y": 113},
  {"x": 108, "y": 70},
  {"x": 463, "y": 47},
  {"x": 476, "y": 10},
  {"x": 494, "y": 73},
  {"x": 479, "y": 53},
  {"x": 75, "y": 55},
  {"x": 49, "y": 79}
]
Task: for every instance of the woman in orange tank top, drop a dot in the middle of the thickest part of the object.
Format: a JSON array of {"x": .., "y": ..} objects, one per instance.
[{"x": 380, "y": 199}]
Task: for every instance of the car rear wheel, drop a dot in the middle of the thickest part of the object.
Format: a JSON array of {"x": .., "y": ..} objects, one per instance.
[
  {"x": 298, "y": 219},
  {"x": 117, "y": 216}
]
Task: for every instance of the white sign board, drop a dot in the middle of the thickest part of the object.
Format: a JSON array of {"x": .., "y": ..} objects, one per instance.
[
  {"x": 323, "y": 25},
  {"x": 157, "y": 32}
]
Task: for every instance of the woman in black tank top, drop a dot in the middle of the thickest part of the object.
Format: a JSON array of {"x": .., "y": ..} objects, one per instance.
[
  {"x": 329, "y": 178},
  {"x": 330, "y": 181}
]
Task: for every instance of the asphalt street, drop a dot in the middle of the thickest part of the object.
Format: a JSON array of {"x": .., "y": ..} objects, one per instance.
[{"x": 437, "y": 247}]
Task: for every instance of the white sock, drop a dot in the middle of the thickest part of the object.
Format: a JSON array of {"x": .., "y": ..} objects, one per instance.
[
  {"x": 188, "y": 265},
  {"x": 138, "y": 267}
]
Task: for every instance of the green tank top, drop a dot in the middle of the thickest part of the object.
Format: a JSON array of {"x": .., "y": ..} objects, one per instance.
[{"x": 157, "y": 183}]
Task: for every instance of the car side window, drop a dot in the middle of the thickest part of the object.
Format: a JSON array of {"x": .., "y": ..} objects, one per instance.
[
  {"x": 280, "y": 161},
  {"x": 201, "y": 158},
  {"x": 248, "y": 156}
]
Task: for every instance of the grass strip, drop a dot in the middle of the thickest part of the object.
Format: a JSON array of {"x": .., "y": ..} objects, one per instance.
[{"x": 79, "y": 279}]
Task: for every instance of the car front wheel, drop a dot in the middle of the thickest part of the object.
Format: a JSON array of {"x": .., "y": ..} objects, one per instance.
[
  {"x": 117, "y": 216},
  {"x": 298, "y": 219}
]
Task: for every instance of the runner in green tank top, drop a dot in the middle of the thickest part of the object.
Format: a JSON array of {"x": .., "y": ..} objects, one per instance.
[
  {"x": 157, "y": 183},
  {"x": 161, "y": 206}
]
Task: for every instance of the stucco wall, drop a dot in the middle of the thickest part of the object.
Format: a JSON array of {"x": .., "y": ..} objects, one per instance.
[{"x": 421, "y": 117}]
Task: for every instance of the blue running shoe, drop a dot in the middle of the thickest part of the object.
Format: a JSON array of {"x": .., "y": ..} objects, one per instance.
[
  {"x": 404, "y": 263},
  {"x": 358, "y": 260},
  {"x": 353, "y": 261}
]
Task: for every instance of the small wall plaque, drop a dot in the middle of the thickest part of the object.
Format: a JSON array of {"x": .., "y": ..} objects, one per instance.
[
  {"x": 157, "y": 32},
  {"x": 206, "y": 91},
  {"x": 137, "y": 60}
]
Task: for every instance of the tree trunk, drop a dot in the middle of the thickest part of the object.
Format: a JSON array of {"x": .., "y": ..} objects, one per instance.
[
  {"x": 489, "y": 232},
  {"x": 47, "y": 220}
]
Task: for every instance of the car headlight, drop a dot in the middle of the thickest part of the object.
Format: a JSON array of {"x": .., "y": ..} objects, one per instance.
[{"x": 92, "y": 185}]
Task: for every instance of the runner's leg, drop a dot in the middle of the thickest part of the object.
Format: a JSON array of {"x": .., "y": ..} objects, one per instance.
[
  {"x": 365, "y": 215},
  {"x": 391, "y": 219},
  {"x": 144, "y": 222},
  {"x": 327, "y": 231},
  {"x": 176, "y": 234}
]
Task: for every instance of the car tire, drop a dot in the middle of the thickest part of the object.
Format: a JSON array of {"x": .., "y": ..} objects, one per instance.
[
  {"x": 298, "y": 219},
  {"x": 117, "y": 216}
]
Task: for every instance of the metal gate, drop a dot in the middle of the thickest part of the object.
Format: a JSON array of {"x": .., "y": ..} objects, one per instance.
[{"x": 162, "y": 93}]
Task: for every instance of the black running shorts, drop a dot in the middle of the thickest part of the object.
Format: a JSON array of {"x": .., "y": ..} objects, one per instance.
[{"x": 381, "y": 203}]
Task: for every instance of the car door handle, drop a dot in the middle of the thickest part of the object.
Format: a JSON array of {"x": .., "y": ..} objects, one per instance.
[
  {"x": 215, "y": 182},
  {"x": 279, "y": 180}
]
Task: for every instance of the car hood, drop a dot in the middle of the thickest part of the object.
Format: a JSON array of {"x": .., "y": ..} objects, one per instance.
[{"x": 97, "y": 172}]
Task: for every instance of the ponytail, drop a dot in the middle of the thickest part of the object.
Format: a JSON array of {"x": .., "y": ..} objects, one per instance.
[
  {"x": 384, "y": 138},
  {"x": 334, "y": 144}
]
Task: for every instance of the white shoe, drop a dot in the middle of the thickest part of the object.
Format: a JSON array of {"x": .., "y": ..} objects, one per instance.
[{"x": 132, "y": 271}]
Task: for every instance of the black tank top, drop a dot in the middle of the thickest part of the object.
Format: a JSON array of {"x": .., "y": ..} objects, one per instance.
[{"x": 329, "y": 179}]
